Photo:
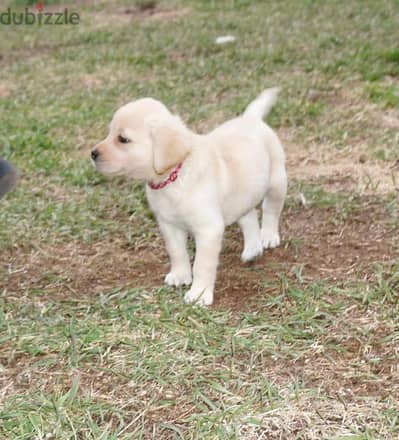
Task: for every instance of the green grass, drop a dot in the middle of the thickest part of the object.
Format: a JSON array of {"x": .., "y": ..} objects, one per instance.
[
  {"x": 387, "y": 95},
  {"x": 85, "y": 354},
  {"x": 193, "y": 371}
]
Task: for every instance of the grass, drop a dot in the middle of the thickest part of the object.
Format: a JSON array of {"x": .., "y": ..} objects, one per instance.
[{"x": 301, "y": 345}]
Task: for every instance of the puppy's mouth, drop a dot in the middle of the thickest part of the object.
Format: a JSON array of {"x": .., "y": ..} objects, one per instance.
[{"x": 107, "y": 169}]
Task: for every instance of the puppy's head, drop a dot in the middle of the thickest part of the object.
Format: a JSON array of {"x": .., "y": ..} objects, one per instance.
[{"x": 144, "y": 142}]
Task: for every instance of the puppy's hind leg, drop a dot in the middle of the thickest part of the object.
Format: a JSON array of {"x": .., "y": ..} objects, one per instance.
[
  {"x": 272, "y": 206},
  {"x": 253, "y": 246}
]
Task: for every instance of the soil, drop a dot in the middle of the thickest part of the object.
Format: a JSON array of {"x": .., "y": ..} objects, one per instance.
[
  {"x": 349, "y": 169},
  {"x": 318, "y": 244}
]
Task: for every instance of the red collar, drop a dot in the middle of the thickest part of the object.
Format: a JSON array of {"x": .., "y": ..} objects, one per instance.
[{"x": 172, "y": 177}]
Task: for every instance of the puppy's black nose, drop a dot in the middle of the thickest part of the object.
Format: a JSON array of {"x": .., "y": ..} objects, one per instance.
[{"x": 94, "y": 154}]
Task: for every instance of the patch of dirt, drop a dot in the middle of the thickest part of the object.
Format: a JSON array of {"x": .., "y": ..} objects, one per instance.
[
  {"x": 5, "y": 88},
  {"x": 347, "y": 169},
  {"x": 89, "y": 81},
  {"x": 352, "y": 167},
  {"x": 366, "y": 363},
  {"x": 106, "y": 78},
  {"x": 317, "y": 245},
  {"x": 76, "y": 269},
  {"x": 390, "y": 118},
  {"x": 150, "y": 10}
]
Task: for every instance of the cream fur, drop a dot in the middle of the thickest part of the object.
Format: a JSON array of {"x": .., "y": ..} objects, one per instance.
[{"x": 225, "y": 175}]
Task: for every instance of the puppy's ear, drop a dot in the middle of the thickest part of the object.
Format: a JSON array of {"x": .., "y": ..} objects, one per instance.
[{"x": 170, "y": 145}]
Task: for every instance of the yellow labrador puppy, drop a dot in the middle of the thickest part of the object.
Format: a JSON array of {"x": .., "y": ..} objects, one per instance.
[{"x": 199, "y": 184}]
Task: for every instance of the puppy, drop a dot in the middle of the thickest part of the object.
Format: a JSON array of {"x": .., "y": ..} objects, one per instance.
[{"x": 199, "y": 184}]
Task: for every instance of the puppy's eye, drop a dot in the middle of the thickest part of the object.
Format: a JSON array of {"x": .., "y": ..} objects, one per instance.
[{"x": 123, "y": 139}]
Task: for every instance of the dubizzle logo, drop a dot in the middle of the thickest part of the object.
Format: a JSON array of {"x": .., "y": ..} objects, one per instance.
[{"x": 39, "y": 17}]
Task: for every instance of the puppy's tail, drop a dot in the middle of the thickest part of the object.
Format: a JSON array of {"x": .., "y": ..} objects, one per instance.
[{"x": 262, "y": 105}]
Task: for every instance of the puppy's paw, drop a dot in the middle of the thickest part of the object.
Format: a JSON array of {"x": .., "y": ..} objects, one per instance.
[
  {"x": 199, "y": 297},
  {"x": 178, "y": 278},
  {"x": 251, "y": 252},
  {"x": 270, "y": 239}
]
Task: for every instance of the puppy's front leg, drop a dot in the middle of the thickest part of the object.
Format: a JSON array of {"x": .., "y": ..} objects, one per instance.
[
  {"x": 208, "y": 244},
  {"x": 176, "y": 245}
]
